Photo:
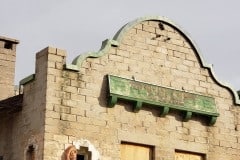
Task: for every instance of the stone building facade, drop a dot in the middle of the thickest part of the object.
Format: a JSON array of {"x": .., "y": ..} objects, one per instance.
[{"x": 146, "y": 94}]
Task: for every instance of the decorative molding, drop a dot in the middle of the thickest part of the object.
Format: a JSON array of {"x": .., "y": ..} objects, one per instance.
[
  {"x": 27, "y": 79},
  {"x": 77, "y": 62},
  {"x": 71, "y": 153},
  {"x": 85, "y": 143},
  {"x": 163, "y": 98}
]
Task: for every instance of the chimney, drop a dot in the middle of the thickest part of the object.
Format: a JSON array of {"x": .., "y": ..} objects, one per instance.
[{"x": 7, "y": 66}]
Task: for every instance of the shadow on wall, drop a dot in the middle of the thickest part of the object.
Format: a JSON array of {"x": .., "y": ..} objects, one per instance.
[
  {"x": 103, "y": 98},
  {"x": 129, "y": 106}
]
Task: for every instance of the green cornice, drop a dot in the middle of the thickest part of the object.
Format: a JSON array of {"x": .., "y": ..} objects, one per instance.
[
  {"x": 27, "y": 79},
  {"x": 77, "y": 62},
  {"x": 160, "y": 97}
]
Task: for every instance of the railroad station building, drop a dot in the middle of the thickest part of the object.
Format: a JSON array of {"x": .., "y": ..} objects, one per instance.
[{"x": 147, "y": 94}]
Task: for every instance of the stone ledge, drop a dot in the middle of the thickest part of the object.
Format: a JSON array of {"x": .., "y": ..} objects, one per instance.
[{"x": 9, "y": 39}]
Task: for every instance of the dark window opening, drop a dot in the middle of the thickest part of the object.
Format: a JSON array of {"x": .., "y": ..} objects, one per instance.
[
  {"x": 31, "y": 152},
  {"x": 1, "y": 157},
  {"x": 80, "y": 157},
  {"x": 84, "y": 154},
  {"x": 8, "y": 45}
]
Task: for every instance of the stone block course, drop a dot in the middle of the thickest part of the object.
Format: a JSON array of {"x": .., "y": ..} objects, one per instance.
[
  {"x": 68, "y": 117},
  {"x": 148, "y": 28}
]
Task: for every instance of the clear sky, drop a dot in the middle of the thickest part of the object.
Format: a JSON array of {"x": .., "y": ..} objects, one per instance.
[{"x": 80, "y": 26}]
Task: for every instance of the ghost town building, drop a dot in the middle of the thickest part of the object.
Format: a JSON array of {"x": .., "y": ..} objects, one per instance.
[{"x": 146, "y": 94}]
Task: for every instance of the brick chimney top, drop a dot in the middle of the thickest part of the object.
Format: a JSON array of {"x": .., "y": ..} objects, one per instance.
[
  {"x": 2, "y": 38},
  {"x": 7, "y": 66}
]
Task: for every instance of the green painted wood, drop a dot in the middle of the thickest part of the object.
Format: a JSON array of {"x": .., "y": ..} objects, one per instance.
[
  {"x": 112, "y": 101},
  {"x": 161, "y": 97},
  {"x": 137, "y": 106},
  {"x": 187, "y": 116},
  {"x": 164, "y": 111},
  {"x": 27, "y": 79},
  {"x": 213, "y": 120}
]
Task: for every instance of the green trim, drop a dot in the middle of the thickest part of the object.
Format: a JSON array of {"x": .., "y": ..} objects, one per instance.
[
  {"x": 112, "y": 101},
  {"x": 164, "y": 111},
  {"x": 160, "y": 97},
  {"x": 77, "y": 62},
  {"x": 120, "y": 34},
  {"x": 213, "y": 120},
  {"x": 27, "y": 79},
  {"x": 71, "y": 67},
  {"x": 187, "y": 116},
  {"x": 137, "y": 106}
]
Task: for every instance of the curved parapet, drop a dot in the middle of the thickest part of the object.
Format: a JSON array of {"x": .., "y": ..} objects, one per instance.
[
  {"x": 106, "y": 45},
  {"x": 76, "y": 63}
]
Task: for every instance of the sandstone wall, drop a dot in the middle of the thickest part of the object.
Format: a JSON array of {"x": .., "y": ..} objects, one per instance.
[
  {"x": 25, "y": 129},
  {"x": 64, "y": 107},
  {"x": 151, "y": 52}
]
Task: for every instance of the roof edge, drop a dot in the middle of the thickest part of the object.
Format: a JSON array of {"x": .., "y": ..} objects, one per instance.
[
  {"x": 9, "y": 39},
  {"x": 77, "y": 62}
]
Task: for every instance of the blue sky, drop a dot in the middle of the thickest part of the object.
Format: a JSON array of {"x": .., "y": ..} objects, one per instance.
[{"x": 81, "y": 26}]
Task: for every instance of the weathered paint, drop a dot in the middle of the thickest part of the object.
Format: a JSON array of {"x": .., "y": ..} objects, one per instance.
[{"x": 159, "y": 96}]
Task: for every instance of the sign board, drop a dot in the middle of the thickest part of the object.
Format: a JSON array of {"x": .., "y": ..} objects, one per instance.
[{"x": 141, "y": 92}]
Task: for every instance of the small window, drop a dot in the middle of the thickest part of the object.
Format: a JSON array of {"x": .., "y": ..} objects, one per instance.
[
  {"x": 30, "y": 153},
  {"x": 8, "y": 45},
  {"x": 84, "y": 154},
  {"x": 1, "y": 157},
  {"x": 80, "y": 157}
]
